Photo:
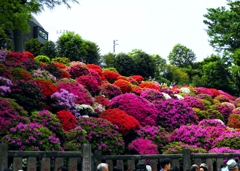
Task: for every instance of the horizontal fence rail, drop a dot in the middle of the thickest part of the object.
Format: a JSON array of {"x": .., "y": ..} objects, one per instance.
[{"x": 85, "y": 160}]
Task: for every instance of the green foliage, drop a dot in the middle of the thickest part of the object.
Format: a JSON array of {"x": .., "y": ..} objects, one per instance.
[
  {"x": 42, "y": 58},
  {"x": 202, "y": 114},
  {"x": 33, "y": 46},
  {"x": 108, "y": 60},
  {"x": 176, "y": 75},
  {"x": 110, "y": 69},
  {"x": 160, "y": 65},
  {"x": 72, "y": 46},
  {"x": 223, "y": 27},
  {"x": 93, "y": 53},
  {"x": 124, "y": 64},
  {"x": 4, "y": 41},
  {"x": 62, "y": 60},
  {"x": 181, "y": 56},
  {"x": 49, "y": 49}
]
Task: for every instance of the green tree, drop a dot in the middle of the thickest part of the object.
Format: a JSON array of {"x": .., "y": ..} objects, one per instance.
[
  {"x": 49, "y": 49},
  {"x": 125, "y": 65},
  {"x": 144, "y": 63},
  {"x": 108, "y": 60},
  {"x": 181, "y": 56},
  {"x": 160, "y": 65},
  {"x": 33, "y": 46},
  {"x": 223, "y": 27},
  {"x": 93, "y": 53},
  {"x": 72, "y": 46}
]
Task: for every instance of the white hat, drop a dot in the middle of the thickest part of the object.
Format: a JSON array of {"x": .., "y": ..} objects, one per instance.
[
  {"x": 149, "y": 168},
  {"x": 232, "y": 164}
]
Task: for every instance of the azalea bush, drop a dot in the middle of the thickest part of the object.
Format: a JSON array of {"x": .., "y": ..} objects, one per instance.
[
  {"x": 77, "y": 69},
  {"x": 234, "y": 121},
  {"x": 151, "y": 95},
  {"x": 228, "y": 139},
  {"x": 47, "y": 87},
  {"x": 143, "y": 146},
  {"x": 222, "y": 98},
  {"x": 43, "y": 74},
  {"x": 124, "y": 85},
  {"x": 89, "y": 82},
  {"x": 111, "y": 76},
  {"x": 67, "y": 119},
  {"x": 223, "y": 150},
  {"x": 102, "y": 100},
  {"x": 43, "y": 58},
  {"x": 212, "y": 122},
  {"x": 54, "y": 70},
  {"x": 110, "y": 90},
  {"x": 236, "y": 110},
  {"x": 102, "y": 135},
  {"x": 138, "y": 78},
  {"x": 3, "y": 54},
  {"x": 148, "y": 84},
  {"x": 31, "y": 137},
  {"x": 177, "y": 148},
  {"x": 174, "y": 113},
  {"x": 125, "y": 122},
  {"x": 15, "y": 59},
  {"x": 84, "y": 109},
  {"x": 20, "y": 74},
  {"x": 136, "y": 106},
  {"x": 63, "y": 60},
  {"x": 194, "y": 102}
]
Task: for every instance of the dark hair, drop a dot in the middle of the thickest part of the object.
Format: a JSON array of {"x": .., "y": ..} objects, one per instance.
[
  {"x": 204, "y": 168},
  {"x": 117, "y": 168},
  {"x": 7, "y": 169},
  {"x": 174, "y": 168},
  {"x": 193, "y": 168},
  {"x": 141, "y": 167},
  {"x": 62, "y": 168},
  {"x": 164, "y": 162}
]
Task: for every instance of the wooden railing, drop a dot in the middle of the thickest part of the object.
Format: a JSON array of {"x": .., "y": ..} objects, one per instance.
[{"x": 86, "y": 161}]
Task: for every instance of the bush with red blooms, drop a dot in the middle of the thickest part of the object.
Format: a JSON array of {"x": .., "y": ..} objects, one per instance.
[
  {"x": 226, "y": 94},
  {"x": 96, "y": 75},
  {"x": 59, "y": 65},
  {"x": 136, "y": 106},
  {"x": 138, "y": 78},
  {"x": 122, "y": 78},
  {"x": 102, "y": 100},
  {"x": 125, "y": 86},
  {"x": 65, "y": 74},
  {"x": 83, "y": 96},
  {"x": 5, "y": 71},
  {"x": 110, "y": 90},
  {"x": 47, "y": 87},
  {"x": 96, "y": 68},
  {"x": 77, "y": 69},
  {"x": 67, "y": 119},
  {"x": 28, "y": 54},
  {"x": 20, "y": 74},
  {"x": 234, "y": 121},
  {"x": 125, "y": 122},
  {"x": 148, "y": 84},
  {"x": 89, "y": 82},
  {"x": 137, "y": 90},
  {"x": 203, "y": 90},
  {"x": 111, "y": 76},
  {"x": 15, "y": 59},
  {"x": 54, "y": 70},
  {"x": 133, "y": 81},
  {"x": 214, "y": 91}
]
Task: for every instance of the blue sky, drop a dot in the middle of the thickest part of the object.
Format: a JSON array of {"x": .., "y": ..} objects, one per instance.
[{"x": 154, "y": 26}]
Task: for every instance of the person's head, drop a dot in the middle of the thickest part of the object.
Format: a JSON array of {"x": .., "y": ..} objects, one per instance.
[
  {"x": 165, "y": 163},
  {"x": 62, "y": 168},
  {"x": 117, "y": 168},
  {"x": 102, "y": 167},
  {"x": 174, "y": 168},
  {"x": 149, "y": 168},
  {"x": 7, "y": 169},
  {"x": 141, "y": 167},
  {"x": 203, "y": 168},
  {"x": 194, "y": 167},
  {"x": 203, "y": 165},
  {"x": 232, "y": 165}
]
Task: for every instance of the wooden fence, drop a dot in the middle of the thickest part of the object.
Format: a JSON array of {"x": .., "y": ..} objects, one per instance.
[{"x": 86, "y": 161}]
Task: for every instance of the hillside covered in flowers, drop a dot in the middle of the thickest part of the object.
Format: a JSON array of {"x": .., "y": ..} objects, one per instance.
[{"x": 60, "y": 105}]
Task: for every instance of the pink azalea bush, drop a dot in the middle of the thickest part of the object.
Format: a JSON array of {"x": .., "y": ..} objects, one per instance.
[
  {"x": 212, "y": 122},
  {"x": 77, "y": 69},
  {"x": 110, "y": 90},
  {"x": 223, "y": 150},
  {"x": 135, "y": 106},
  {"x": 194, "y": 102},
  {"x": 152, "y": 95},
  {"x": 143, "y": 146},
  {"x": 229, "y": 139},
  {"x": 174, "y": 113}
]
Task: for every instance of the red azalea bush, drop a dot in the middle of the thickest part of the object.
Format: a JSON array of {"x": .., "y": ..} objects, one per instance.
[
  {"x": 65, "y": 74},
  {"x": 174, "y": 113},
  {"x": 110, "y": 90},
  {"x": 20, "y": 74},
  {"x": 137, "y": 107},
  {"x": 148, "y": 84},
  {"x": 47, "y": 87},
  {"x": 125, "y": 122},
  {"x": 59, "y": 65},
  {"x": 138, "y": 78},
  {"x": 83, "y": 96},
  {"x": 111, "y": 76},
  {"x": 96, "y": 68},
  {"x": 15, "y": 59},
  {"x": 10, "y": 115},
  {"x": 124, "y": 85},
  {"x": 143, "y": 146},
  {"x": 137, "y": 90},
  {"x": 151, "y": 95},
  {"x": 28, "y": 54},
  {"x": 102, "y": 100},
  {"x": 234, "y": 121},
  {"x": 133, "y": 81},
  {"x": 5, "y": 71},
  {"x": 203, "y": 90},
  {"x": 77, "y": 69},
  {"x": 89, "y": 82},
  {"x": 214, "y": 91},
  {"x": 67, "y": 119},
  {"x": 122, "y": 78},
  {"x": 95, "y": 74}
]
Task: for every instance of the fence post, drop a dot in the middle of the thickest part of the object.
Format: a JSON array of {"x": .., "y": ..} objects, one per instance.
[
  {"x": 186, "y": 159},
  {"x": 86, "y": 160},
  {"x": 3, "y": 156},
  {"x": 97, "y": 158}
]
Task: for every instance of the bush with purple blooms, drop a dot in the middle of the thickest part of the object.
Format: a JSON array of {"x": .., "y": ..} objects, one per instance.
[
  {"x": 230, "y": 139},
  {"x": 5, "y": 86},
  {"x": 152, "y": 95},
  {"x": 156, "y": 134},
  {"x": 31, "y": 137},
  {"x": 177, "y": 148},
  {"x": 102, "y": 135},
  {"x": 10, "y": 115},
  {"x": 201, "y": 136},
  {"x": 77, "y": 69},
  {"x": 74, "y": 139},
  {"x": 212, "y": 122},
  {"x": 223, "y": 150},
  {"x": 3, "y": 54},
  {"x": 194, "y": 102},
  {"x": 174, "y": 113},
  {"x": 43, "y": 74},
  {"x": 136, "y": 106},
  {"x": 143, "y": 146}
]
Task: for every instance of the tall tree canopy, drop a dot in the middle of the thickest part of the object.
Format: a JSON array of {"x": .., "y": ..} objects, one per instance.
[
  {"x": 181, "y": 56},
  {"x": 223, "y": 26}
]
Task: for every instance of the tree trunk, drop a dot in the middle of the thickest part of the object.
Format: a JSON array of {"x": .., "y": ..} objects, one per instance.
[{"x": 18, "y": 41}]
